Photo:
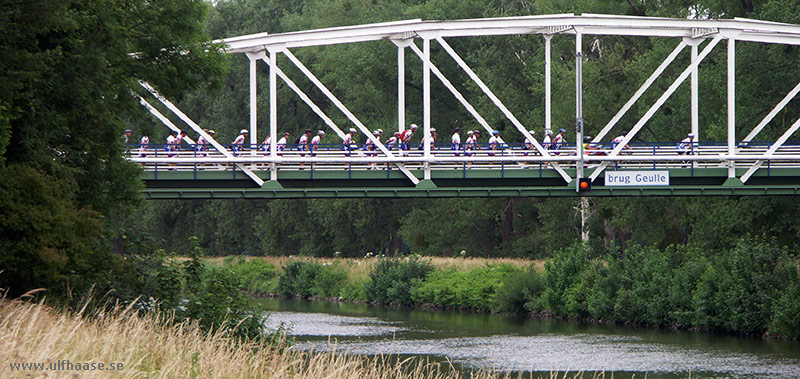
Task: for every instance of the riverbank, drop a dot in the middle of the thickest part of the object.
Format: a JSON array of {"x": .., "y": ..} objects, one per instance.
[
  {"x": 752, "y": 289},
  {"x": 120, "y": 344}
]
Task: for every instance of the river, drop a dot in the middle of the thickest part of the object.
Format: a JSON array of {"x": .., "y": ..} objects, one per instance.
[{"x": 521, "y": 344}]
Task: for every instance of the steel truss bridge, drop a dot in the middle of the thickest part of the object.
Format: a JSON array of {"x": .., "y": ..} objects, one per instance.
[{"x": 745, "y": 166}]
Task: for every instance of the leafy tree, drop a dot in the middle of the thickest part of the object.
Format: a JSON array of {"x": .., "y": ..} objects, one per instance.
[{"x": 66, "y": 82}]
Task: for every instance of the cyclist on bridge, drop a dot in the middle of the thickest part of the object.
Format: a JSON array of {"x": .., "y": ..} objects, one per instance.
[
  {"x": 315, "y": 142},
  {"x": 238, "y": 144},
  {"x": 455, "y": 140},
  {"x": 405, "y": 138}
]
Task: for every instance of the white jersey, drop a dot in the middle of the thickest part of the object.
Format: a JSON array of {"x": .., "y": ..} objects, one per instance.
[
  {"x": 432, "y": 140},
  {"x": 686, "y": 145},
  {"x": 546, "y": 140},
  {"x": 557, "y": 141},
  {"x": 390, "y": 142},
  {"x": 315, "y": 141},
  {"x": 471, "y": 141},
  {"x": 281, "y": 143},
  {"x": 143, "y": 149},
  {"x": 494, "y": 142},
  {"x": 303, "y": 140},
  {"x": 171, "y": 141},
  {"x": 239, "y": 140},
  {"x": 347, "y": 140},
  {"x": 455, "y": 139}
]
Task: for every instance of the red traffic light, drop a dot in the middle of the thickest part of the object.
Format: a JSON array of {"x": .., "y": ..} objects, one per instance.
[{"x": 584, "y": 184}]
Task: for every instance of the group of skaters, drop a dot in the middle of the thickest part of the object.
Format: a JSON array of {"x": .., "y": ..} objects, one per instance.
[{"x": 401, "y": 140}]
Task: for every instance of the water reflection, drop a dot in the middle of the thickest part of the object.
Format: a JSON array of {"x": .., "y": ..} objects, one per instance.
[{"x": 523, "y": 344}]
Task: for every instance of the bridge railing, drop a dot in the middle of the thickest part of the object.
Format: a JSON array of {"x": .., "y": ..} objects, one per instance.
[{"x": 446, "y": 156}]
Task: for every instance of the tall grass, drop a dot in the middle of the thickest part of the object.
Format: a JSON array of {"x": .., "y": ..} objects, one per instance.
[
  {"x": 150, "y": 346},
  {"x": 147, "y": 347}
]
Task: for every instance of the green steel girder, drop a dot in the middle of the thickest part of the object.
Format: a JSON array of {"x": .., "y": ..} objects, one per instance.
[{"x": 513, "y": 182}]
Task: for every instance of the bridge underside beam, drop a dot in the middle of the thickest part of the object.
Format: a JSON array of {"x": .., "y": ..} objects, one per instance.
[{"x": 530, "y": 182}]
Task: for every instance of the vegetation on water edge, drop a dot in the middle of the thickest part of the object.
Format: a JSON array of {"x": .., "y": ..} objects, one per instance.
[{"x": 751, "y": 289}]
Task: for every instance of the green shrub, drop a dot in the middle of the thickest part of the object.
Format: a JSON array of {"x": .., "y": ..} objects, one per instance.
[
  {"x": 255, "y": 275},
  {"x": 739, "y": 289},
  {"x": 355, "y": 290},
  {"x": 786, "y": 311},
  {"x": 562, "y": 274},
  {"x": 299, "y": 279},
  {"x": 212, "y": 297},
  {"x": 391, "y": 280},
  {"x": 329, "y": 281},
  {"x": 519, "y": 288},
  {"x": 475, "y": 289},
  {"x": 306, "y": 279}
]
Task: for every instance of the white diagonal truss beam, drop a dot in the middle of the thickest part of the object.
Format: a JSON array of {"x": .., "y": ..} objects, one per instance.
[
  {"x": 789, "y": 96},
  {"x": 316, "y": 109},
  {"x": 454, "y": 91},
  {"x": 650, "y": 112},
  {"x": 647, "y": 83},
  {"x": 164, "y": 120},
  {"x": 771, "y": 151},
  {"x": 501, "y": 106},
  {"x": 200, "y": 131},
  {"x": 347, "y": 112}
]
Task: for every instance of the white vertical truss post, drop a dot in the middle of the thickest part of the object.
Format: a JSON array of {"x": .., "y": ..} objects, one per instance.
[
  {"x": 273, "y": 110},
  {"x": 426, "y": 104},
  {"x": 731, "y": 105},
  {"x": 310, "y": 75},
  {"x": 579, "y": 106},
  {"x": 647, "y": 83},
  {"x": 401, "y": 86},
  {"x": 695, "y": 101},
  {"x": 661, "y": 100},
  {"x": 501, "y": 106},
  {"x": 547, "y": 84},
  {"x": 254, "y": 57}
]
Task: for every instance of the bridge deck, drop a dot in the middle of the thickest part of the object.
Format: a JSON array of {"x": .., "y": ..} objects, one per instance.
[{"x": 511, "y": 171}]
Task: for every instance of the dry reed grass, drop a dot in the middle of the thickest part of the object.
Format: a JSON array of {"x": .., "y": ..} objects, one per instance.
[{"x": 147, "y": 346}]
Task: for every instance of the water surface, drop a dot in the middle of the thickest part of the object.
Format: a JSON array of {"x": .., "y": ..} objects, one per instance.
[{"x": 512, "y": 344}]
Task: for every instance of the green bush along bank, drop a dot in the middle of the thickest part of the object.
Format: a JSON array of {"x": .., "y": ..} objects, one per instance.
[{"x": 751, "y": 289}]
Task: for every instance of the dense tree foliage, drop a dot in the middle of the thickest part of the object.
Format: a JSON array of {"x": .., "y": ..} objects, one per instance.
[{"x": 67, "y": 73}]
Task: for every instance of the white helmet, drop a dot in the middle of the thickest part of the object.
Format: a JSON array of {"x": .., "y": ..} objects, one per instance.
[
  {"x": 532, "y": 132},
  {"x": 243, "y": 131},
  {"x": 352, "y": 130},
  {"x": 413, "y": 126},
  {"x": 549, "y": 132}
]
